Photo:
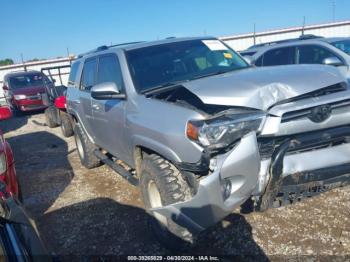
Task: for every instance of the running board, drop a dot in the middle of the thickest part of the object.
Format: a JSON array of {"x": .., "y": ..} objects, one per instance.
[{"x": 117, "y": 168}]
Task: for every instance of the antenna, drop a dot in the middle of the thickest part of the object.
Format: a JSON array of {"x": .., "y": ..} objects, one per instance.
[
  {"x": 333, "y": 10},
  {"x": 303, "y": 28}
]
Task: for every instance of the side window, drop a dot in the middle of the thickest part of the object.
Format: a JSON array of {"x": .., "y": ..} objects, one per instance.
[
  {"x": 109, "y": 70},
  {"x": 313, "y": 54},
  {"x": 88, "y": 78},
  {"x": 279, "y": 56},
  {"x": 73, "y": 74}
]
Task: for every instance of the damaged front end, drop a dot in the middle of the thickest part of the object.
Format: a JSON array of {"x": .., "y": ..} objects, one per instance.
[{"x": 297, "y": 147}]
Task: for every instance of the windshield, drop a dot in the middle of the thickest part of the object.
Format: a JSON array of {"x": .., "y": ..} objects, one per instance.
[
  {"x": 23, "y": 81},
  {"x": 343, "y": 45},
  {"x": 166, "y": 64}
]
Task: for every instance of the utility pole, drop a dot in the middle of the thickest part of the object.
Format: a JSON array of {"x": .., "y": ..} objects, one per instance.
[
  {"x": 24, "y": 66},
  {"x": 254, "y": 36},
  {"x": 70, "y": 62}
]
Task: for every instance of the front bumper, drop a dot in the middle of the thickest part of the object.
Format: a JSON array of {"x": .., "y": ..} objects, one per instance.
[
  {"x": 289, "y": 170},
  {"x": 241, "y": 166}
]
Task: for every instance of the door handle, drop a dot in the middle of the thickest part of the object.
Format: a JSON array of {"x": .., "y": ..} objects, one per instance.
[
  {"x": 95, "y": 106},
  {"x": 76, "y": 101}
]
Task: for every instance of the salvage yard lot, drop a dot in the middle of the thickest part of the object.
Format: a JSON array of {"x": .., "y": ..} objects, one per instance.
[{"x": 95, "y": 212}]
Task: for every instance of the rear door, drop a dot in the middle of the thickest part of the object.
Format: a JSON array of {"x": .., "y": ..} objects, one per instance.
[
  {"x": 109, "y": 115},
  {"x": 278, "y": 56},
  {"x": 88, "y": 79}
]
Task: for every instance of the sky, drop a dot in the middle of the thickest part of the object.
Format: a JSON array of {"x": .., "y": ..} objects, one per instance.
[{"x": 46, "y": 28}]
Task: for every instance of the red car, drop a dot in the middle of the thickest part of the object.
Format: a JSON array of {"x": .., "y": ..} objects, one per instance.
[
  {"x": 7, "y": 166},
  {"x": 23, "y": 90}
]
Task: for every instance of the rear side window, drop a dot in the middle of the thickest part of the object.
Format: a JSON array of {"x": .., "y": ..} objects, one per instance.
[
  {"x": 279, "y": 56},
  {"x": 109, "y": 70},
  {"x": 313, "y": 54},
  {"x": 89, "y": 74},
  {"x": 26, "y": 80},
  {"x": 73, "y": 74}
]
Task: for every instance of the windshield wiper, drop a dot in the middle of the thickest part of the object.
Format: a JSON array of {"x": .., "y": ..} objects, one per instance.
[{"x": 162, "y": 88}]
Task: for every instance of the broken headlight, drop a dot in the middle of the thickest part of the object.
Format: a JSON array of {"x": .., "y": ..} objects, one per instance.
[{"x": 221, "y": 131}]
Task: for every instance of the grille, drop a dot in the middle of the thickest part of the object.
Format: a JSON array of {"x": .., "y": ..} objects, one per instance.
[
  {"x": 319, "y": 139},
  {"x": 290, "y": 116}
]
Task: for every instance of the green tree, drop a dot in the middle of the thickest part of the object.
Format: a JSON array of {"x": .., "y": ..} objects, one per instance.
[{"x": 6, "y": 61}]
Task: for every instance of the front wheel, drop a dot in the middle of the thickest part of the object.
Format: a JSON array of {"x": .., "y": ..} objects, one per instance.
[
  {"x": 85, "y": 148},
  {"x": 162, "y": 184}
]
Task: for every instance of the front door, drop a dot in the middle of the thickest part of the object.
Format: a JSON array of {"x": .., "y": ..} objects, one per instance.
[
  {"x": 86, "y": 83},
  {"x": 109, "y": 115}
]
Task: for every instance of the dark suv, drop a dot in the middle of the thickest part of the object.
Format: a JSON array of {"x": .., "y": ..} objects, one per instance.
[{"x": 23, "y": 90}]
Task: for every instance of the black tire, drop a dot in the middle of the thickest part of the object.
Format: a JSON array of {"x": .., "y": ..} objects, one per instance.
[
  {"x": 66, "y": 125},
  {"x": 49, "y": 118},
  {"x": 16, "y": 112},
  {"x": 172, "y": 188},
  {"x": 85, "y": 148}
]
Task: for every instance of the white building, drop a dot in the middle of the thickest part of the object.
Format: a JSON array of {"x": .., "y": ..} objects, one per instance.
[{"x": 243, "y": 41}]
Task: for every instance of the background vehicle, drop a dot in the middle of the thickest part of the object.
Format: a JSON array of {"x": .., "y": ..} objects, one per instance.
[
  {"x": 19, "y": 239},
  {"x": 23, "y": 90},
  {"x": 7, "y": 163},
  {"x": 304, "y": 50},
  {"x": 201, "y": 132},
  {"x": 55, "y": 100}
]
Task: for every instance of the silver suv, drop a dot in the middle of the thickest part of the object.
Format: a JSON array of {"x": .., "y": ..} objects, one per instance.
[
  {"x": 201, "y": 132},
  {"x": 310, "y": 49}
]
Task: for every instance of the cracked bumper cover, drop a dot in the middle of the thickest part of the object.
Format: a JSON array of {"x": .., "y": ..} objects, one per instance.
[{"x": 241, "y": 166}]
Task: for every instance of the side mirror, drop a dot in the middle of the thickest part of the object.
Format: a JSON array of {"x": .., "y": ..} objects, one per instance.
[
  {"x": 5, "y": 87},
  {"x": 106, "y": 91},
  {"x": 5, "y": 113},
  {"x": 333, "y": 61}
]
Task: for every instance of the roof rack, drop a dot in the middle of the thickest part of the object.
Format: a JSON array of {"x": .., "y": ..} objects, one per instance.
[
  {"x": 105, "y": 47},
  {"x": 302, "y": 37}
]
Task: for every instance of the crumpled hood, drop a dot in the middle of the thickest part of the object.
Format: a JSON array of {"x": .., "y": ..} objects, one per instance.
[{"x": 263, "y": 87}]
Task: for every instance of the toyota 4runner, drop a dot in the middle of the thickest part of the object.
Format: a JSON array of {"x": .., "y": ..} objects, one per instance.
[{"x": 201, "y": 132}]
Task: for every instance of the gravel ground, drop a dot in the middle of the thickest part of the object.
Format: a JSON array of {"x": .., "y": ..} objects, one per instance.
[{"x": 95, "y": 212}]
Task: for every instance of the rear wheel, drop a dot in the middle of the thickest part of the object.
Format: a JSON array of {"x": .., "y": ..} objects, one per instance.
[
  {"x": 85, "y": 148},
  {"x": 50, "y": 118},
  {"x": 66, "y": 125},
  {"x": 162, "y": 184}
]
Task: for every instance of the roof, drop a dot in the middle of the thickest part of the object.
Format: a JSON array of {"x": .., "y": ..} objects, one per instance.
[
  {"x": 137, "y": 45},
  {"x": 289, "y": 42},
  {"x": 165, "y": 41},
  {"x": 334, "y": 39},
  {"x": 22, "y": 73}
]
